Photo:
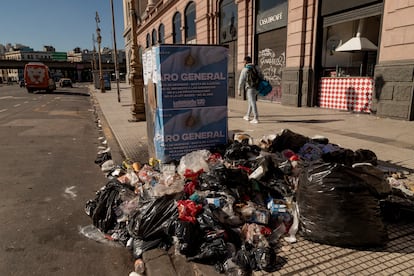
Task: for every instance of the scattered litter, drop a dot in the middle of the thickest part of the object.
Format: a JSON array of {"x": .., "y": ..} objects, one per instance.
[
  {"x": 107, "y": 166},
  {"x": 233, "y": 207}
]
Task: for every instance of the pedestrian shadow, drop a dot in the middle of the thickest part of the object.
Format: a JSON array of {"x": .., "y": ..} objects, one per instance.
[
  {"x": 273, "y": 119},
  {"x": 394, "y": 167},
  {"x": 310, "y": 121}
]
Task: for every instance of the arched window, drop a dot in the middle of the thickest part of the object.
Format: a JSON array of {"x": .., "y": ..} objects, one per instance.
[
  {"x": 148, "y": 42},
  {"x": 177, "y": 28},
  {"x": 161, "y": 37},
  {"x": 154, "y": 37},
  {"x": 228, "y": 21},
  {"x": 190, "y": 26}
]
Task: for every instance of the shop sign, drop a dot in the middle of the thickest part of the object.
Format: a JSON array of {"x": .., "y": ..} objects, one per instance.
[{"x": 271, "y": 19}]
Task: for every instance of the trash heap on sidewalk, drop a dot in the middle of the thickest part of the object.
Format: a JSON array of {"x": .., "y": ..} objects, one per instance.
[{"x": 231, "y": 207}]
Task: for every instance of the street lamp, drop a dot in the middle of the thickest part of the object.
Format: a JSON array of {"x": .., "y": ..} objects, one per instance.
[
  {"x": 136, "y": 78},
  {"x": 99, "y": 40}
]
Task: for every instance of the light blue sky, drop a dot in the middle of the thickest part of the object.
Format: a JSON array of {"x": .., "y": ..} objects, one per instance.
[{"x": 63, "y": 24}]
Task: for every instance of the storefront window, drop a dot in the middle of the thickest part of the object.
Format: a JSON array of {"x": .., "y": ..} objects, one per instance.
[
  {"x": 271, "y": 36},
  {"x": 357, "y": 61},
  {"x": 271, "y": 57}
]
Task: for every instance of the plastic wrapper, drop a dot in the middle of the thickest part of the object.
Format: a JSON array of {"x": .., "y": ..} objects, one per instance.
[
  {"x": 93, "y": 233},
  {"x": 129, "y": 206},
  {"x": 241, "y": 137},
  {"x": 169, "y": 183},
  {"x": 293, "y": 228},
  {"x": 254, "y": 234},
  {"x": 338, "y": 206},
  {"x": 194, "y": 161},
  {"x": 130, "y": 178},
  {"x": 148, "y": 175}
]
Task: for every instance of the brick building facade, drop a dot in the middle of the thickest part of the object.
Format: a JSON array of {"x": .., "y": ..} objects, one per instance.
[{"x": 295, "y": 43}]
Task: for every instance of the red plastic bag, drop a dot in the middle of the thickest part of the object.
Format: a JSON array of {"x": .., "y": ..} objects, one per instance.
[{"x": 188, "y": 209}]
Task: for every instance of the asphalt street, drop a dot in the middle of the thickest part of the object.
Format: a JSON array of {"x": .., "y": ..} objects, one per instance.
[{"x": 48, "y": 146}]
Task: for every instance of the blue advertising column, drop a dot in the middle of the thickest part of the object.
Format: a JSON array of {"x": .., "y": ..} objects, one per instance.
[{"x": 189, "y": 99}]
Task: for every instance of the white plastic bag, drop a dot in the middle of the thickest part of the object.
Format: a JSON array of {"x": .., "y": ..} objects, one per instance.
[{"x": 194, "y": 161}]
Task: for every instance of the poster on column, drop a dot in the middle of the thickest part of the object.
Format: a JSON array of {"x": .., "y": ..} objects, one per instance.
[{"x": 190, "y": 99}]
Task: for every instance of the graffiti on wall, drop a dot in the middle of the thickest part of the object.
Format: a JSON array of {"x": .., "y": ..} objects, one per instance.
[{"x": 272, "y": 65}]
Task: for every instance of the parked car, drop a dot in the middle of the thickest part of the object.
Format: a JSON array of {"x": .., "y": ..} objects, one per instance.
[{"x": 65, "y": 82}]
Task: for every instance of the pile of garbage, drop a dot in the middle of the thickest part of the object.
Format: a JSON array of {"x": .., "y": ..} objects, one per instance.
[{"x": 231, "y": 206}]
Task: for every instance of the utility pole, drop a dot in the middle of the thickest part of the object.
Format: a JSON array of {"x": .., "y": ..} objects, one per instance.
[
  {"x": 99, "y": 39},
  {"x": 136, "y": 77},
  {"x": 93, "y": 57},
  {"x": 115, "y": 53}
]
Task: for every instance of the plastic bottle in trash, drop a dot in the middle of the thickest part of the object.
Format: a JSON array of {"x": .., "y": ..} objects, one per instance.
[{"x": 139, "y": 266}]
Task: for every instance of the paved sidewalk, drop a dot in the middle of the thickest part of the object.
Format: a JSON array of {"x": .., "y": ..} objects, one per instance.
[{"x": 391, "y": 140}]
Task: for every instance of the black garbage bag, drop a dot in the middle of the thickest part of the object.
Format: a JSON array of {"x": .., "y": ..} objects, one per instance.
[
  {"x": 232, "y": 178},
  {"x": 188, "y": 235},
  {"x": 374, "y": 178},
  {"x": 240, "y": 152},
  {"x": 265, "y": 258},
  {"x": 221, "y": 178},
  {"x": 288, "y": 139},
  {"x": 103, "y": 208},
  {"x": 210, "y": 181},
  {"x": 214, "y": 219},
  {"x": 211, "y": 252},
  {"x": 277, "y": 188},
  {"x": 102, "y": 158},
  {"x": 349, "y": 157},
  {"x": 207, "y": 221},
  {"x": 338, "y": 205},
  {"x": 153, "y": 218},
  {"x": 341, "y": 156},
  {"x": 245, "y": 258}
]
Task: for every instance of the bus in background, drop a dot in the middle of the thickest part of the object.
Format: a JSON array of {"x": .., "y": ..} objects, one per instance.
[{"x": 38, "y": 77}]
